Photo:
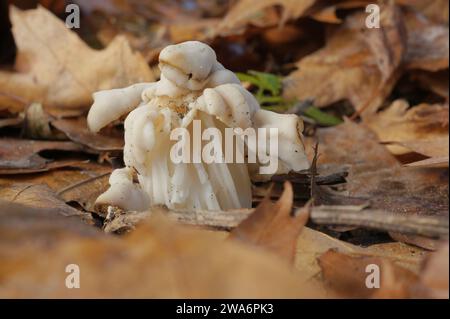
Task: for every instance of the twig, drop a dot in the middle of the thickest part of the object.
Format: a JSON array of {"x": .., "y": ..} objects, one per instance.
[
  {"x": 314, "y": 173},
  {"x": 427, "y": 226}
]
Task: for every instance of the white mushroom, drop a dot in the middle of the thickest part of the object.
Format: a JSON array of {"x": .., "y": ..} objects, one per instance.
[{"x": 193, "y": 86}]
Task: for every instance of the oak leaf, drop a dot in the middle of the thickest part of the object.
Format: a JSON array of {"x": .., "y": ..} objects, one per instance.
[{"x": 55, "y": 67}]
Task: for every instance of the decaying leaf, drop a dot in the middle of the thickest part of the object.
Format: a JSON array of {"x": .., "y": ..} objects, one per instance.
[
  {"x": 350, "y": 276},
  {"x": 271, "y": 226},
  {"x": 21, "y": 156},
  {"x": 428, "y": 43},
  {"x": 436, "y": 10},
  {"x": 55, "y": 67},
  {"x": 374, "y": 175},
  {"x": 37, "y": 196},
  {"x": 352, "y": 145},
  {"x": 312, "y": 244},
  {"x": 76, "y": 130},
  {"x": 378, "y": 277},
  {"x": 246, "y": 10},
  {"x": 348, "y": 68},
  {"x": 413, "y": 126},
  {"x": 82, "y": 183},
  {"x": 435, "y": 270}
]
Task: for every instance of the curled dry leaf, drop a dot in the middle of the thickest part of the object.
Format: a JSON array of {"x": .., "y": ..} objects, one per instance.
[
  {"x": 159, "y": 259},
  {"x": 435, "y": 10},
  {"x": 412, "y": 127},
  {"x": 351, "y": 276},
  {"x": 271, "y": 226},
  {"x": 38, "y": 196},
  {"x": 81, "y": 184},
  {"x": 55, "y": 67},
  {"x": 428, "y": 43},
  {"x": 312, "y": 244},
  {"x": 326, "y": 12},
  {"x": 21, "y": 156},
  {"x": 349, "y": 68},
  {"x": 76, "y": 130},
  {"x": 245, "y": 11}
]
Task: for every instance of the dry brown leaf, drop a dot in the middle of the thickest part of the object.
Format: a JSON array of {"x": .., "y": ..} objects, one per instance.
[
  {"x": 271, "y": 226},
  {"x": 352, "y": 145},
  {"x": 399, "y": 123},
  {"x": 347, "y": 275},
  {"x": 11, "y": 121},
  {"x": 55, "y": 67},
  {"x": 82, "y": 187},
  {"x": 245, "y": 11},
  {"x": 76, "y": 130},
  {"x": 436, "y": 10},
  {"x": 82, "y": 183},
  {"x": 431, "y": 162},
  {"x": 406, "y": 190},
  {"x": 159, "y": 259},
  {"x": 21, "y": 156},
  {"x": 428, "y": 43},
  {"x": 349, "y": 68},
  {"x": 311, "y": 244},
  {"x": 435, "y": 270},
  {"x": 374, "y": 175},
  {"x": 436, "y": 82},
  {"x": 326, "y": 12},
  {"x": 38, "y": 196}
]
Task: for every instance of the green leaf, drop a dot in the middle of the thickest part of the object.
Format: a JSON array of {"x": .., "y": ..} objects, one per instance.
[
  {"x": 321, "y": 117},
  {"x": 268, "y": 81},
  {"x": 248, "y": 78}
]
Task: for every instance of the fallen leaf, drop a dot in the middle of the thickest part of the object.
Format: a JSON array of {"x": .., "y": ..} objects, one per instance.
[
  {"x": 311, "y": 244},
  {"x": 243, "y": 12},
  {"x": 159, "y": 259},
  {"x": 272, "y": 227},
  {"x": 437, "y": 147},
  {"x": 375, "y": 176},
  {"x": 38, "y": 196},
  {"x": 22, "y": 155},
  {"x": 428, "y": 43},
  {"x": 434, "y": 274},
  {"x": 326, "y": 12},
  {"x": 11, "y": 121},
  {"x": 431, "y": 162},
  {"x": 349, "y": 276},
  {"x": 76, "y": 130},
  {"x": 354, "y": 146},
  {"x": 402, "y": 124},
  {"x": 388, "y": 43},
  {"x": 436, "y": 10},
  {"x": 55, "y": 67},
  {"x": 436, "y": 82},
  {"x": 82, "y": 183},
  {"x": 347, "y": 67}
]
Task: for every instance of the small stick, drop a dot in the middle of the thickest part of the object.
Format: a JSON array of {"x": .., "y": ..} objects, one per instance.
[{"x": 427, "y": 226}]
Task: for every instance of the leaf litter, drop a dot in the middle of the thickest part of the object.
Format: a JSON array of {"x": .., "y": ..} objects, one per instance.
[{"x": 380, "y": 150}]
